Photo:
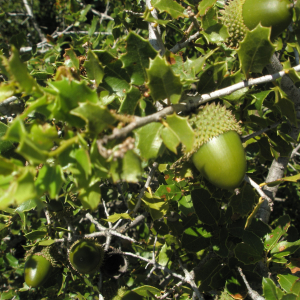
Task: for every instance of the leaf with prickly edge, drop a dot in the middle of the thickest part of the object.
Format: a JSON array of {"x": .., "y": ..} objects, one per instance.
[
  {"x": 90, "y": 197},
  {"x": 256, "y": 50},
  {"x": 115, "y": 217},
  {"x": 96, "y": 116},
  {"x": 270, "y": 290},
  {"x": 163, "y": 83},
  {"x": 71, "y": 59},
  {"x": 196, "y": 238},
  {"x": 283, "y": 224},
  {"x": 136, "y": 60},
  {"x": 247, "y": 254},
  {"x": 68, "y": 96},
  {"x": 50, "y": 179},
  {"x": 131, "y": 101},
  {"x": 145, "y": 289},
  {"x": 94, "y": 68},
  {"x": 116, "y": 79},
  {"x": 170, "y": 139},
  {"x": 183, "y": 130},
  {"x": 157, "y": 206},
  {"x": 243, "y": 202},
  {"x": 36, "y": 234},
  {"x": 147, "y": 16},
  {"x": 286, "y": 281},
  {"x": 205, "y": 206},
  {"x": 148, "y": 140},
  {"x": 20, "y": 74},
  {"x": 204, "y": 6},
  {"x": 212, "y": 78},
  {"x": 165, "y": 255},
  {"x": 169, "y": 6}
]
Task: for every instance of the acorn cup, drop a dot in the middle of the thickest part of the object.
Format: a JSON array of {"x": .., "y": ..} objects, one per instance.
[
  {"x": 115, "y": 263},
  {"x": 86, "y": 256},
  {"x": 240, "y": 16},
  {"x": 218, "y": 153}
]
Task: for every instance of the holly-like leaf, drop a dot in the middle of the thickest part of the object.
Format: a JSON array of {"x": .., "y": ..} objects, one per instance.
[
  {"x": 162, "y": 81},
  {"x": 115, "y": 217},
  {"x": 195, "y": 238},
  {"x": 131, "y": 101},
  {"x": 206, "y": 207},
  {"x": 94, "y": 69},
  {"x": 137, "y": 58},
  {"x": 4, "y": 145},
  {"x": 96, "y": 116},
  {"x": 285, "y": 248},
  {"x": 35, "y": 234},
  {"x": 148, "y": 140},
  {"x": 243, "y": 202},
  {"x": 270, "y": 290},
  {"x": 50, "y": 179},
  {"x": 286, "y": 281},
  {"x": 247, "y": 254},
  {"x": 283, "y": 224},
  {"x": 256, "y": 50},
  {"x": 157, "y": 207},
  {"x": 212, "y": 78},
  {"x": 183, "y": 130},
  {"x": 90, "y": 197},
  {"x": 170, "y": 6},
  {"x": 71, "y": 59},
  {"x": 204, "y": 6},
  {"x": 68, "y": 96},
  {"x": 170, "y": 139}
]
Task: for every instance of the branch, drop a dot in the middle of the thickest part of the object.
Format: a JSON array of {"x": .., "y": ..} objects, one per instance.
[
  {"x": 35, "y": 25},
  {"x": 190, "y": 103}
]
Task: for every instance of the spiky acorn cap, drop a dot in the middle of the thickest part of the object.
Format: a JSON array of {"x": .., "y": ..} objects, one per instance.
[
  {"x": 233, "y": 19},
  {"x": 86, "y": 256},
  {"x": 50, "y": 253},
  {"x": 210, "y": 121}
]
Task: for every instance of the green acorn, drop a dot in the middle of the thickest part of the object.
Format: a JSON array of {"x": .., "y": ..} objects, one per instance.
[
  {"x": 240, "y": 16},
  {"x": 218, "y": 153},
  {"x": 86, "y": 256}
]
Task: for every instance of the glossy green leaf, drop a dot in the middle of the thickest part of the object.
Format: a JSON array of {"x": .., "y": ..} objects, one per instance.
[
  {"x": 163, "y": 83},
  {"x": 115, "y": 217},
  {"x": 247, "y": 254},
  {"x": 195, "y": 238},
  {"x": 243, "y": 203},
  {"x": 128, "y": 169},
  {"x": 170, "y": 139},
  {"x": 205, "y": 5},
  {"x": 255, "y": 50},
  {"x": 90, "y": 197},
  {"x": 211, "y": 78},
  {"x": 157, "y": 206},
  {"x": 35, "y": 234},
  {"x": 148, "y": 140},
  {"x": 183, "y": 130},
  {"x": 171, "y": 191},
  {"x": 165, "y": 255},
  {"x": 170, "y": 6},
  {"x": 115, "y": 80},
  {"x": 206, "y": 207},
  {"x": 137, "y": 58},
  {"x": 6, "y": 166},
  {"x": 4, "y": 145},
  {"x": 12, "y": 261},
  {"x": 130, "y": 101},
  {"x": 285, "y": 248},
  {"x": 295, "y": 289},
  {"x": 283, "y": 224},
  {"x": 252, "y": 239},
  {"x": 81, "y": 167},
  {"x": 50, "y": 179},
  {"x": 286, "y": 281},
  {"x": 6, "y": 90},
  {"x": 185, "y": 205},
  {"x": 20, "y": 74},
  {"x": 69, "y": 95},
  {"x": 218, "y": 243},
  {"x": 270, "y": 290},
  {"x": 71, "y": 59},
  {"x": 15, "y": 131},
  {"x": 96, "y": 116},
  {"x": 94, "y": 69}
]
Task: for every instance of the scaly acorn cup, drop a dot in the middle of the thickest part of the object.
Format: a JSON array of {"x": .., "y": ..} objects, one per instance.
[
  {"x": 86, "y": 256},
  {"x": 37, "y": 270},
  {"x": 241, "y": 16},
  {"x": 218, "y": 153}
]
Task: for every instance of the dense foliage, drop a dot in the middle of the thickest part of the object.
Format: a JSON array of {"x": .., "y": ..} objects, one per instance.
[{"x": 96, "y": 99}]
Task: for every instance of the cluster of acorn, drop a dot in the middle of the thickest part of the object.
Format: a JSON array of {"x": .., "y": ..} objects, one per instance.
[{"x": 85, "y": 256}]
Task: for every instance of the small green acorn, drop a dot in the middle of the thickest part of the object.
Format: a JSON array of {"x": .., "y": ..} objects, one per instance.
[
  {"x": 218, "y": 153},
  {"x": 37, "y": 270},
  {"x": 86, "y": 256},
  {"x": 240, "y": 16}
]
